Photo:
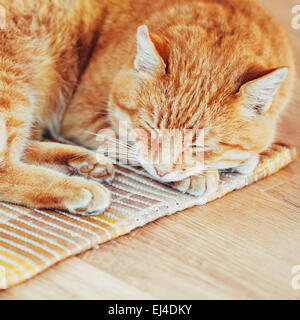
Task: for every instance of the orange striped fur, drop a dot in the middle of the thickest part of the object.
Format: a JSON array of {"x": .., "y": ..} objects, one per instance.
[{"x": 72, "y": 66}]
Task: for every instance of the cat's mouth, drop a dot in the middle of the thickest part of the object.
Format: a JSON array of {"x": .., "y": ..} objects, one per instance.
[{"x": 168, "y": 177}]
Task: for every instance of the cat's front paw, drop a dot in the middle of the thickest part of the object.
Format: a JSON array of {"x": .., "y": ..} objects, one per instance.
[
  {"x": 89, "y": 198},
  {"x": 204, "y": 184},
  {"x": 93, "y": 166}
]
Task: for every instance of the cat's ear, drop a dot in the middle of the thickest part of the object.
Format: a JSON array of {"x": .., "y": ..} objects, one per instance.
[
  {"x": 258, "y": 94},
  {"x": 152, "y": 52}
]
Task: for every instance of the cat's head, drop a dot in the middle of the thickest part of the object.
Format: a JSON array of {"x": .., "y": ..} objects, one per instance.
[{"x": 172, "y": 84}]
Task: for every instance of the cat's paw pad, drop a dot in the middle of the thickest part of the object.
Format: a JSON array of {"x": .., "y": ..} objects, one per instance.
[
  {"x": 92, "y": 166},
  {"x": 201, "y": 185},
  {"x": 91, "y": 199}
]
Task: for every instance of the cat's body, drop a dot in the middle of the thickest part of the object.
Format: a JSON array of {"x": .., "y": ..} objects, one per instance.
[{"x": 72, "y": 66}]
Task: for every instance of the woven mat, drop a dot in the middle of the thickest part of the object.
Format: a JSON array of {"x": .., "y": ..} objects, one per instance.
[{"x": 33, "y": 240}]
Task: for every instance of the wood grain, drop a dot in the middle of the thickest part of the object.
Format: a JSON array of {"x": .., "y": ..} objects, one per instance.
[{"x": 242, "y": 246}]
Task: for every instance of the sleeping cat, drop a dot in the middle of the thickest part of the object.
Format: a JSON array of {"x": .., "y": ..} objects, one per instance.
[{"x": 71, "y": 67}]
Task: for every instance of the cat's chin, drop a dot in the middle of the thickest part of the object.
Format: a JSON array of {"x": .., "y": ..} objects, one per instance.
[
  {"x": 168, "y": 178},
  {"x": 171, "y": 177}
]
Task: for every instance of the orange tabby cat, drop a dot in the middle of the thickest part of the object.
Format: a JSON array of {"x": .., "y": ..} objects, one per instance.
[{"x": 76, "y": 66}]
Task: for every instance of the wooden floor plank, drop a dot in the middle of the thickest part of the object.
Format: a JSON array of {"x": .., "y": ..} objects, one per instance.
[
  {"x": 289, "y": 192},
  {"x": 74, "y": 279},
  {"x": 241, "y": 247}
]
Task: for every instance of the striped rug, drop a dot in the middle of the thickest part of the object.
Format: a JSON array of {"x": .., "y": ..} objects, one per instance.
[{"x": 33, "y": 240}]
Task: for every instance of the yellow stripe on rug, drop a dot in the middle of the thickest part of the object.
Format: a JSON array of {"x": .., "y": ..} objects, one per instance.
[{"x": 32, "y": 240}]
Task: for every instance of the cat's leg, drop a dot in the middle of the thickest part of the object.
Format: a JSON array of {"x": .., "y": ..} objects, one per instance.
[
  {"x": 40, "y": 187},
  {"x": 70, "y": 159},
  {"x": 204, "y": 184},
  {"x": 29, "y": 87}
]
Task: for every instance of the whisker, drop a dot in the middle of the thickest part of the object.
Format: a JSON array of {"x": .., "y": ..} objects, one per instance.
[
  {"x": 117, "y": 160},
  {"x": 118, "y": 149},
  {"x": 121, "y": 158},
  {"x": 121, "y": 155},
  {"x": 114, "y": 151},
  {"x": 125, "y": 152},
  {"x": 120, "y": 142}
]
